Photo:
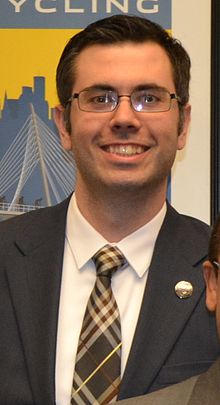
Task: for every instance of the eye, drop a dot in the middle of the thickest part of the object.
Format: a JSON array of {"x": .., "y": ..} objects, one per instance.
[
  {"x": 101, "y": 98},
  {"x": 148, "y": 98}
]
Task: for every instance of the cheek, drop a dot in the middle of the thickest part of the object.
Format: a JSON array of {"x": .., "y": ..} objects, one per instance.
[
  {"x": 86, "y": 128},
  {"x": 166, "y": 122},
  {"x": 165, "y": 132},
  {"x": 81, "y": 138}
]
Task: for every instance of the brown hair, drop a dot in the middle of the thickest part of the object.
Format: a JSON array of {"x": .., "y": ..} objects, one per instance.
[{"x": 121, "y": 29}]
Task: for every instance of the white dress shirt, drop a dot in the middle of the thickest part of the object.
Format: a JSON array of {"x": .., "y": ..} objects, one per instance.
[{"x": 78, "y": 278}]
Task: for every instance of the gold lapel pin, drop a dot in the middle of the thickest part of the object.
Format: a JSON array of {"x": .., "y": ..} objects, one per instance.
[{"x": 184, "y": 289}]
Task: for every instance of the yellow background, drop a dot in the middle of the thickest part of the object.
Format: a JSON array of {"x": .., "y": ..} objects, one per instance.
[{"x": 26, "y": 53}]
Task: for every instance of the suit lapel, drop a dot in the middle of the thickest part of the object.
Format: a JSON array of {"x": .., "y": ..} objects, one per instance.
[
  {"x": 34, "y": 282},
  {"x": 163, "y": 314}
]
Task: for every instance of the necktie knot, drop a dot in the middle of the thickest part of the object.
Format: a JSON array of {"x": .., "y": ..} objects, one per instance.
[{"x": 108, "y": 260}]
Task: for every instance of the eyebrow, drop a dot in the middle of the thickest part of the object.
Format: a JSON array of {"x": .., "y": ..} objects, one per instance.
[
  {"x": 100, "y": 86},
  {"x": 147, "y": 86},
  {"x": 143, "y": 86}
]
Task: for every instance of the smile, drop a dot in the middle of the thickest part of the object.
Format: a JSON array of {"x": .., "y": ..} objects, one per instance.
[{"x": 125, "y": 150}]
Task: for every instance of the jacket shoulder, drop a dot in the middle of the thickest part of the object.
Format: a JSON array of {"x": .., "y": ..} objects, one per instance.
[
  {"x": 184, "y": 234},
  {"x": 34, "y": 225}
]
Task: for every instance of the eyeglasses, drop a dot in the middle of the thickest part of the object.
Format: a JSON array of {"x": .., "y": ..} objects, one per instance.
[
  {"x": 149, "y": 100},
  {"x": 216, "y": 264}
]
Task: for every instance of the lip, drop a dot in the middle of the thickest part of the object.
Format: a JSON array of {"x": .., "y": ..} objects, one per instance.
[{"x": 122, "y": 150}]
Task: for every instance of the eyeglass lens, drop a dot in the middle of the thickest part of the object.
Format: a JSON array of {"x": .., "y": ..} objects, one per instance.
[{"x": 146, "y": 100}]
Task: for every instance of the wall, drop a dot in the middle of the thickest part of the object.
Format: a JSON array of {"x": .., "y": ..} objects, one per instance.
[{"x": 191, "y": 23}]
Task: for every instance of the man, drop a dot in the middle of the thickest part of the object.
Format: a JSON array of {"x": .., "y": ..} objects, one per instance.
[
  {"x": 203, "y": 389},
  {"x": 124, "y": 112}
]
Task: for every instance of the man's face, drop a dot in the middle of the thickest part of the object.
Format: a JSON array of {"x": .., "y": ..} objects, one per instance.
[
  {"x": 123, "y": 149},
  {"x": 212, "y": 279}
]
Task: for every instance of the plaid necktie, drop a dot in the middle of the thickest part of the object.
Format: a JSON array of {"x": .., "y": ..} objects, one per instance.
[{"x": 98, "y": 361}]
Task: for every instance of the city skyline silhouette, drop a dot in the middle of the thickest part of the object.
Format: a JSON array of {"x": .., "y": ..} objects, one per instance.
[{"x": 25, "y": 162}]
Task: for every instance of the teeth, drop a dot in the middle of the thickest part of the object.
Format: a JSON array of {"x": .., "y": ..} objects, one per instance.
[{"x": 126, "y": 150}]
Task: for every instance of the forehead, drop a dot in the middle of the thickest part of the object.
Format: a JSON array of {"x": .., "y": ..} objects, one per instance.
[{"x": 126, "y": 64}]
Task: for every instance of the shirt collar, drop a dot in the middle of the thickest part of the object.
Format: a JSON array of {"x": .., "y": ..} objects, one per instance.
[{"x": 137, "y": 247}]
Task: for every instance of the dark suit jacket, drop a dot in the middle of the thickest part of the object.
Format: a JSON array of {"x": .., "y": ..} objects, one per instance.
[
  {"x": 201, "y": 390},
  {"x": 174, "y": 338}
]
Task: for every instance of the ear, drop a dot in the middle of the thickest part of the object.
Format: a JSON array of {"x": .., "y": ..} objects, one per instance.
[
  {"x": 211, "y": 281},
  {"x": 65, "y": 136},
  {"x": 185, "y": 121}
]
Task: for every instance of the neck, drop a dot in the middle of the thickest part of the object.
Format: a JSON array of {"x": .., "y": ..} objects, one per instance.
[{"x": 118, "y": 215}]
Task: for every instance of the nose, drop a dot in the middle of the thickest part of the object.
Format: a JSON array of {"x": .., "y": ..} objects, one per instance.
[{"x": 124, "y": 116}]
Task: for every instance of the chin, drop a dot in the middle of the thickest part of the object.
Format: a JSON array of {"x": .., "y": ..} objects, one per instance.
[{"x": 128, "y": 185}]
